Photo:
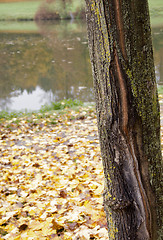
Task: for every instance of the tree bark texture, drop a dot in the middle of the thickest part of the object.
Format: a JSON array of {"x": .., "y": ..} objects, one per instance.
[{"x": 128, "y": 116}]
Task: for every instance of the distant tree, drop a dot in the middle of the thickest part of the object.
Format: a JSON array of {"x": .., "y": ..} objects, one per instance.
[
  {"x": 60, "y": 9},
  {"x": 128, "y": 116}
]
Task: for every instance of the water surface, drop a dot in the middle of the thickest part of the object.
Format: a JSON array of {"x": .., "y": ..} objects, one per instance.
[{"x": 50, "y": 62}]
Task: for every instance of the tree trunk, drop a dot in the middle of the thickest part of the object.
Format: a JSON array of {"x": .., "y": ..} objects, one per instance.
[{"x": 128, "y": 116}]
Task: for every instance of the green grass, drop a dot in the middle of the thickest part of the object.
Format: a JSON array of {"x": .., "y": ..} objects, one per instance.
[
  {"x": 67, "y": 103},
  {"x": 55, "y": 106},
  {"x": 155, "y": 4},
  {"x": 4, "y": 115},
  {"x": 19, "y": 10},
  {"x": 156, "y": 12}
]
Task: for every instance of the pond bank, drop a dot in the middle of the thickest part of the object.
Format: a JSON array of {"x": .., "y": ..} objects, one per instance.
[
  {"x": 57, "y": 9},
  {"x": 47, "y": 111},
  {"x": 41, "y": 10}
]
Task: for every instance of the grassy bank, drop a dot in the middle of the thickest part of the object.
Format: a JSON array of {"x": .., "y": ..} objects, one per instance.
[
  {"x": 156, "y": 12},
  {"x": 60, "y": 107},
  {"x": 26, "y": 10}
]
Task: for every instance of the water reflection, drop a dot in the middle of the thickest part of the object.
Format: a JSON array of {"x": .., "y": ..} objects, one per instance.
[
  {"x": 157, "y": 34},
  {"x": 51, "y": 64},
  {"x": 28, "y": 100}
]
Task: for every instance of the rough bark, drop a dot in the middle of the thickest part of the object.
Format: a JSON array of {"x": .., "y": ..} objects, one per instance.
[{"x": 128, "y": 116}]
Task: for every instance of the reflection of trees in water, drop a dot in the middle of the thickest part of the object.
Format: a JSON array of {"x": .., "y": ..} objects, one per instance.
[
  {"x": 57, "y": 61},
  {"x": 161, "y": 65},
  {"x": 4, "y": 103},
  {"x": 21, "y": 59},
  {"x": 72, "y": 67}
]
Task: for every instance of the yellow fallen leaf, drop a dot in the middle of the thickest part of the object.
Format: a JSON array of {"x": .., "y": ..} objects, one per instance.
[
  {"x": 99, "y": 190},
  {"x": 57, "y": 226}
]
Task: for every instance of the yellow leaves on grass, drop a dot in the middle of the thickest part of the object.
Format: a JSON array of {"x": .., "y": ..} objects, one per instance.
[{"x": 51, "y": 178}]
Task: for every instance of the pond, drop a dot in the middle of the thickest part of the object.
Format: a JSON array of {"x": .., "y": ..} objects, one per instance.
[{"x": 50, "y": 62}]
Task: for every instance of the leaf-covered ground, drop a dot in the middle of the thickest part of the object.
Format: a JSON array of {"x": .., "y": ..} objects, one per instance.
[{"x": 51, "y": 178}]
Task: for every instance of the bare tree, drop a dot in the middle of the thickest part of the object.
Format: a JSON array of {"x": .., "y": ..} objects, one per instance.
[{"x": 128, "y": 116}]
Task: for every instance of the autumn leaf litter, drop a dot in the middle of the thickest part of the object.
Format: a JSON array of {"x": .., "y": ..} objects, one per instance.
[{"x": 51, "y": 179}]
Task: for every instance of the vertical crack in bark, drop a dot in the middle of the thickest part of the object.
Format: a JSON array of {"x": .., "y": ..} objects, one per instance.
[
  {"x": 124, "y": 125},
  {"x": 120, "y": 28},
  {"x": 123, "y": 93},
  {"x": 124, "y": 110},
  {"x": 142, "y": 191}
]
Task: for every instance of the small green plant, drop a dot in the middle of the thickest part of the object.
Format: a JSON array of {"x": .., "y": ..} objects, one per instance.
[
  {"x": 4, "y": 115},
  {"x": 67, "y": 103}
]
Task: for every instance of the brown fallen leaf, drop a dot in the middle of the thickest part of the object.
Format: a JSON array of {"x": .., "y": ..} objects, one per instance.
[
  {"x": 63, "y": 193},
  {"x": 23, "y": 227}
]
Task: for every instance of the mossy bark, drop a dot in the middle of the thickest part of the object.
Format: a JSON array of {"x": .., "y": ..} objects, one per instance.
[{"x": 128, "y": 116}]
